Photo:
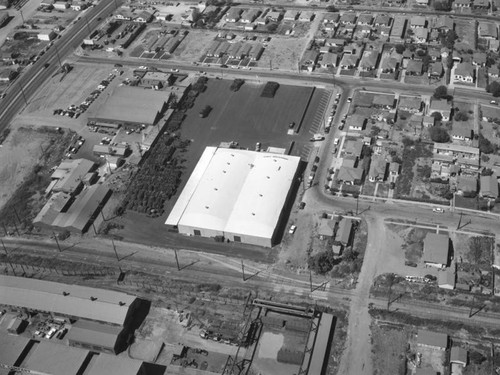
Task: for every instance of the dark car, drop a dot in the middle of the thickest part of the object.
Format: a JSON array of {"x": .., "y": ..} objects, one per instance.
[
  {"x": 118, "y": 65},
  {"x": 302, "y": 205}
]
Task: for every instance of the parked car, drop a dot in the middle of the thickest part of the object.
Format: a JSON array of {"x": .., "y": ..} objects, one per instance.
[
  {"x": 438, "y": 210},
  {"x": 292, "y": 229},
  {"x": 302, "y": 205}
]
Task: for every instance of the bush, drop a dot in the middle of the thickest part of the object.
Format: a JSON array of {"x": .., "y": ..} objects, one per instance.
[
  {"x": 461, "y": 116},
  {"x": 237, "y": 83},
  {"x": 439, "y": 134},
  {"x": 270, "y": 89},
  {"x": 485, "y": 146},
  {"x": 494, "y": 88},
  {"x": 438, "y": 116},
  {"x": 322, "y": 263},
  {"x": 400, "y": 49}
]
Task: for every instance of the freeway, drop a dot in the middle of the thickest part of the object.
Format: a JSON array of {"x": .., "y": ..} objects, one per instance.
[{"x": 33, "y": 77}]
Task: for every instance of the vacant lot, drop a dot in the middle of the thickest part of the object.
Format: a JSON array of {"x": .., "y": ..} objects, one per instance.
[{"x": 389, "y": 349}]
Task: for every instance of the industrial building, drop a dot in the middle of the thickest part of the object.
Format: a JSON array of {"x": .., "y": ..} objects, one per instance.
[
  {"x": 98, "y": 337},
  {"x": 69, "y": 175},
  {"x": 75, "y": 215},
  {"x": 24, "y": 355},
  {"x": 69, "y": 301},
  {"x": 132, "y": 106},
  {"x": 237, "y": 195}
]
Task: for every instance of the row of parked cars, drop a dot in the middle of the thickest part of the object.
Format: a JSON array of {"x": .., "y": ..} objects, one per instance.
[{"x": 75, "y": 146}]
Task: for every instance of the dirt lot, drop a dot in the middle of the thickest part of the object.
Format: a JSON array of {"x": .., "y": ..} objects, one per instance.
[
  {"x": 194, "y": 45},
  {"x": 25, "y": 149},
  {"x": 283, "y": 53},
  {"x": 389, "y": 349}
]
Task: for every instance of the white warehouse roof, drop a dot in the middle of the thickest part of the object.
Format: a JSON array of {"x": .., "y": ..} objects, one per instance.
[{"x": 235, "y": 192}]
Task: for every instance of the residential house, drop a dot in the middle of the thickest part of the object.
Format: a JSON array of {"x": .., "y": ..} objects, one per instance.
[
  {"x": 348, "y": 18},
  {"x": 466, "y": 185},
  {"x": 434, "y": 54},
  {"x": 123, "y": 14},
  {"x": 464, "y": 73},
  {"x": 458, "y": 356},
  {"x": 455, "y": 152},
  {"x": 428, "y": 121},
  {"x": 143, "y": 17},
  {"x": 249, "y": 15},
  {"x": 46, "y": 35},
  {"x": 61, "y": 5},
  {"x": 432, "y": 340},
  {"x": 233, "y": 14},
  {"x": 418, "y": 22},
  {"x": 324, "y": 49},
  {"x": 414, "y": 68},
  {"x": 422, "y": 2},
  {"x": 363, "y": 31},
  {"x": 435, "y": 70},
  {"x": 365, "y": 19},
  {"x": 457, "y": 56},
  {"x": 352, "y": 49},
  {"x": 479, "y": 59},
  {"x": 382, "y": 20},
  {"x": 436, "y": 250},
  {"x": 309, "y": 60},
  {"x": 274, "y": 16},
  {"x": 447, "y": 279},
  {"x": 329, "y": 60},
  {"x": 384, "y": 101},
  {"x": 384, "y": 33},
  {"x": 335, "y": 42},
  {"x": 412, "y": 104},
  {"x": 356, "y": 123},
  {"x": 344, "y": 232},
  {"x": 398, "y": 29},
  {"x": 353, "y": 148},
  {"x": 394, "y": 169},
  {"x": 481, "y": 4},
  {"x": 378, "y": 169},
  {"x": 325, "y": 229},
  {"x": 331, "y": 18},
  {"x": 369, "y": 61},
  {"x": 489, "y": 186},
  {"x": 420, "y": 35},
  {"x": 493, "y": 72},
  {"x": 462, "y": 3},
  {"x": 290, "y": 15},
  {"x": 494, "y": 45},
  {"x": 461, "y": 132},
  {"x": 78, "y": 5},
  {"x": 8, "y": 75},
  {"x": 306, "y": 16},
  {"x": 390, "y": 65},
  {"x": 416, "y": 121},
  {"x": 487, "y": 30},
  {"x": 350, "y": 175},
  {"x": 349, "y": 61},
  {"x": 367, "y": 141},
  {"x": 441, "y": 106},
  {"x": 443, "y": 23}
]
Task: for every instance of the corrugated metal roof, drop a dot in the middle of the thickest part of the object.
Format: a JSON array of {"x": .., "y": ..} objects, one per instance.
[
  {"x": 50, "y": 296},
  {"x": 94, "y": 333},
  {"x": 435, "y": 339},
  {"x": 55, "y": 359},
  {"x": 436, "y": 247},
  {"x": 321, "y": 345},
  {"x": 111, "y": 365},
  {"x": 11, "y": 346}
]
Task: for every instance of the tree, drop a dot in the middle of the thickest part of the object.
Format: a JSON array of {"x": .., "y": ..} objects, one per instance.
[
  {"x": 494, "y": 88},
  {"x": 485, "y": 146},
  {"x": 322, "y": 263},
  {"x": 461, "y": 116},
  {"x": 437, "y": 115},
  {"x": 400, "y": 49},
  {"x": 331, "y": 8},
  {"x": 441, "y": 92},
  {"x": 443, "y": 6},
  {"x": 439, "y": 134}
]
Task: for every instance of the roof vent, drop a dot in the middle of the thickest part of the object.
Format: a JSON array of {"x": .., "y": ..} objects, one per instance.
[
  {"x": 260, "y": 195},
  {"x": 223, "y": 171},
  {"x": 207, "y": 207},
  {"x": 268, "y": 177},
  {"x": 93, "y": 298},
  {"x": 65, "y": 293},
  {"x": 216, "y": 189},
  {"x": 122, "y": 303},
  {"x": 253, "y": 213}
]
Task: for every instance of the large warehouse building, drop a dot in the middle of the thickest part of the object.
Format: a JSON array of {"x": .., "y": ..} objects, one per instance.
[
  {"x": 237, "y": 195},
  {"x": 132, "y": 106}
]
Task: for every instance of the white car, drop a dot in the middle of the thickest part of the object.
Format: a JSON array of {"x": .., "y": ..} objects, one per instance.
[
  {"x": 438, "y": 210},
  {"x": 292, "y": 229}
]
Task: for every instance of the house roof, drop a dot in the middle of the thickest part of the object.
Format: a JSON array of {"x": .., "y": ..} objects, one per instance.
[
  {"x": 326, "y": 227},
  {"x": 436, "y": 248},
  {"x": 365, "y": 18},
  {"x": 384, "y": 100},
  {"x": 369, "y": 59},
  {"x": 439, "y": 105},
  {"x": 344, "y": 231},
  {"x": 350, "y": 174},
  {"x": 448, "y": 277},
  {"x": 69, "y": 174},
  {"x": 461, "y": 131},
  {"x": 436, "y": 68},
  {"x": 410, "y": 102},
  {"x": 489, "y": 185},
  {"x": 418, "y": 21},
  {"x": 465, "y": 69},
  {"x": 414, "y": 66},
  {"x": 493, "y": 71},
  {"x": 389, "y": 63},
  {"x": 429, "y": 120},
  {"x": 355, "y": 121},
  {"x": 348, "y": 17},
  {"x": 330, "y": 58},
  {"x": 378, "y": 167},
  {"x": 487, "y": 29},
  {"x": 421, "y": 33},
  {"x": 458, "y": 355},
  {"x": 443, "y": 22},
  {"x": 383, "y": 19},
  {"x": 435, "y": 339},
  {"x": 466, "y": 183},
  {"x": 479, "y": 58},
  {"x": 353, "y": 147},
  {"x": 349, "y": 60},
  {"x": 331, "y": 17}
]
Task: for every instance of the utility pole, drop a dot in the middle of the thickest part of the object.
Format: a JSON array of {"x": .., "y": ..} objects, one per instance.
[
  {"x": 177, "y": 260},
  {"x": 357, "y": 204},
  {"x": 22, "y": 92},
  {"x": 22, "y": 17},
  {"x": 58, "y": 57},
  {"x": 17, "y": 215},
  {"x": 57, "y": 242},
  {"x": 116, "y": 253},
  {"x": 242, "y": 270},
  {"x": 8, "y": 259},
  {"x": 310, "y": 280}
]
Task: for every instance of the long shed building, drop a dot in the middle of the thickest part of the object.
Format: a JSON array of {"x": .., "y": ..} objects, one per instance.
[{"x": 238, "y": 195}]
